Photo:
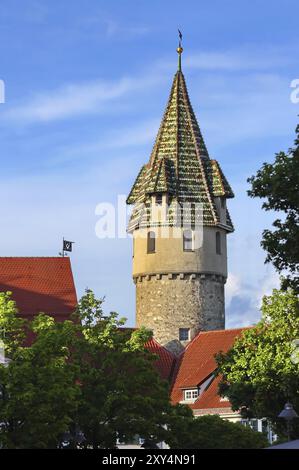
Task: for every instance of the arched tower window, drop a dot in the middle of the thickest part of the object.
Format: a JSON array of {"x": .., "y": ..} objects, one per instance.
[
  {"x": 218, "y": 243},
  {"x": 187, "y": 240},
  {"x": 151, "y": 242}
]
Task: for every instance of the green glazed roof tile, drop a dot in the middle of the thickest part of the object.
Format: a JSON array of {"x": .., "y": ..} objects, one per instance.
[{"x": 179, "y": 164}]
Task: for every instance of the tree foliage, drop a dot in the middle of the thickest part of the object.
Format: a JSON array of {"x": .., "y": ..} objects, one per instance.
[
  {"x": 88, "y": 375},
  {"x": 278, "y": 184},
  {"x": 211, "y": 432},
  {"x": 38, "y": 389},
  {"x": 88, "y": 382},
  {"x": 122, "y": 393},
  {"x": 259, "y": 373}
]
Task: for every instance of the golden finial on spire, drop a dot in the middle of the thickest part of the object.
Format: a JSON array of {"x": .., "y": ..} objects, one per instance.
[{"x": 180, "y": 50}]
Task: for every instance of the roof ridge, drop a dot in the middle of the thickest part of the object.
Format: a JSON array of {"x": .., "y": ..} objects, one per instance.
[
  {"x": 226, "y": 330},
  {"x": 213, "y": 161},
  {"x": 201, "y": 333},
  {"x": 203, "y": 173},
  {"x": 163, "y": 121},
  {"x": 219, "y": 179}
]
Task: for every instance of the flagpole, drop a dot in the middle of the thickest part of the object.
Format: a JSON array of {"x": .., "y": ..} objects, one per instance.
[{"x": 63, "y": 247}]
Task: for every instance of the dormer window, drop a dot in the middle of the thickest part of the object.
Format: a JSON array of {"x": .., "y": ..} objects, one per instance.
[
  {"x": 224, "y": 399},
  {"x": 191, "y": 394}
]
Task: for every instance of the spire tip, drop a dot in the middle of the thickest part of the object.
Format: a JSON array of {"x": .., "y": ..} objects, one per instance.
[{"x": 180, "y": 51}]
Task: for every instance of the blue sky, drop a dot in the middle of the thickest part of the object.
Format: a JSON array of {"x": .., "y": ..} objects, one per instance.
[{"x": 86, "y": 86}]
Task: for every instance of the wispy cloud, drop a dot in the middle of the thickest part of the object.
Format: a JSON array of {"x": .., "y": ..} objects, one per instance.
[
  {"x": 123, "y": 138},
  {"x": 244, "y": 300},
  {"x": 72, "y": 100},
  {"x": 75, "y": 99},
  {"x": 69, "y": 101},
  {"x": 239, "y": 108},
  {"x": 116, "y": 29},
  {"x": 243, "y": 59}
]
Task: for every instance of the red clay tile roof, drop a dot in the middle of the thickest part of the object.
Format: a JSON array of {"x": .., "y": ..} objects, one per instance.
[
  {"x": 39, "y": 285},
  {"x": 197, "y": 363},
  {"x": 210, "y": 398},
  {"x": 166, "y": 360}
]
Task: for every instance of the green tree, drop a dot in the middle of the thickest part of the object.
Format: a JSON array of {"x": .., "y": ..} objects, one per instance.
[
  {"x": 259, "y": 374},
  {"x": 88, "y": 375},
  {"x": 278, "y": 183},
  {"x": 38, "y": 389},
  {"x": 12, "y": 328},
  {"x": 122, "y": 393},
  {"x": 211, "y": 432}
]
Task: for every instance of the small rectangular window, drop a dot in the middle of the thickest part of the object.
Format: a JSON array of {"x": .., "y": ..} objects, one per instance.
[
  {"x": 184, "y": 334},
  {"x": 218, "y": 243},
  {"x": 223, "y": 203},
  {"x": 187, "y": 240},
  {"x": 151, "y": 242}
]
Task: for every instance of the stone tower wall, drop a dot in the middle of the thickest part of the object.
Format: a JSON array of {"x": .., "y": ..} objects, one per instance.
[
  {"x": 179, "y": 289},
  {"x": 167, "y": 302}
]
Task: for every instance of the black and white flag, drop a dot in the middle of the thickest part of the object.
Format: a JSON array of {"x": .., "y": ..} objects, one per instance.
[{"x": 67, "y": 246}]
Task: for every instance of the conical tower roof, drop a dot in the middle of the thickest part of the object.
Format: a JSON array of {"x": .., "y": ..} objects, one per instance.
[{"x": 179, "y": 164}]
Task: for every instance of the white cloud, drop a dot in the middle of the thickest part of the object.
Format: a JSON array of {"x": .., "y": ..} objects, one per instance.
[
  {"x": 238, "y": 99},
  {"x": 114, "y": 28},
  {"x": 237, "y": 60},
  {"x": 232, "y": 287},
  {"x": 245, "y": 58},
  {"x": 126, "y": 137},
  {"x": 243, "y": 300},
  {"x": 77, "y": 99},
  {"x": 265, "y": 287},
  {"x": 67, "y": 101}
]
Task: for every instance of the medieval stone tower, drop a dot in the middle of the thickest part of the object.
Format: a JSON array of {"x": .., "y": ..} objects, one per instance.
[{"x": 179, "y": 224}]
